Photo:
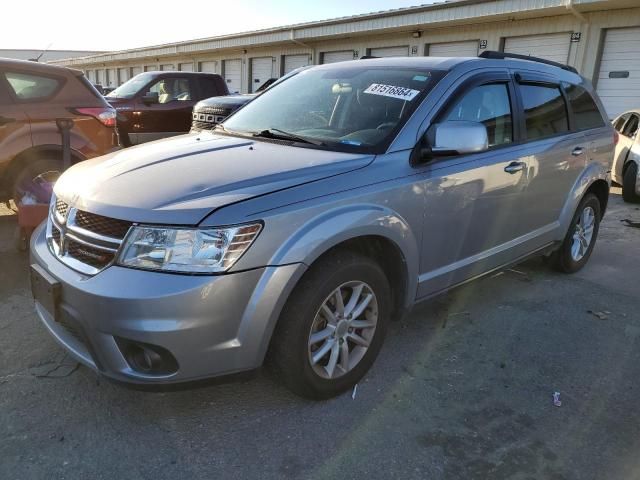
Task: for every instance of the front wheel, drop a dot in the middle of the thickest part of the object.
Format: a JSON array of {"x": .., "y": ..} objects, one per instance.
[
  {"x": 332, "y": 326},
  {"x": 578, "y": 245},
  {"x": 631, "y": 184}
]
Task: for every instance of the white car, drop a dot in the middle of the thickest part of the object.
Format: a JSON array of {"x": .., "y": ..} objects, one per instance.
[{"x": 626, "y": 162}]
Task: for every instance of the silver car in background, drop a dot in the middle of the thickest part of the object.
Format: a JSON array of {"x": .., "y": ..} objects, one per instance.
[
  {"x": 626, "y": 161},
  {"x": 325, "y": 208}
]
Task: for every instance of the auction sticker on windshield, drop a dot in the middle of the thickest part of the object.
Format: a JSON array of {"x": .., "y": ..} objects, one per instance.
[{"x": 390, "y": 91}]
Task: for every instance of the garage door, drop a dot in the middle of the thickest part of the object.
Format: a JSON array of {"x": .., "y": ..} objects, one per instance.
[
  {"x": 135, "y": 71},
  {"x": 333, "y": 57},
  {"x": 389, "y": 52},
  {"x": 454, "y": 49},
  {"x": 167, "y": 67},
  {"x": 261, "y": 71},
  {"x": 291, "y": 62},
  {"x": 618, "y": 82},
  {"x": 208, "y": 67},
  {"x": 185, "y": 67},
  {"x": 100, "y": 77},
  {"x": 123, "y": 75},
  {"x": 233, "y": 74},
  {"x": 150, "y": 68},
  {"x": 554, "y": 46}
]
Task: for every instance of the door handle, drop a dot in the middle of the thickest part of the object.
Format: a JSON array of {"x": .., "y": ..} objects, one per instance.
[
  {"x": 514, "y": 167},
  {"x": 577, "y": 151},
  {"x": 5, "y": 120}
]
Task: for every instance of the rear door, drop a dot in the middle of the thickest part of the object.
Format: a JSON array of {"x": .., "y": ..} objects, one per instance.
[
  {"x": 171, "y": 116},
  {"x": 556, "y": 155},
  {"x": 15, "y": 130},
  {"x": 627, "y": 127}
]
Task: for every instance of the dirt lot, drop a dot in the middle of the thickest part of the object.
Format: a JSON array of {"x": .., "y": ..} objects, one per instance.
[{"x": 462, "y": 389}]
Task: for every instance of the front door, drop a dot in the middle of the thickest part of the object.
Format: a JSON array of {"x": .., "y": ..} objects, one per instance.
[
  {"x": 170, "y": 115},
  {"x": 473, "y": 202}
]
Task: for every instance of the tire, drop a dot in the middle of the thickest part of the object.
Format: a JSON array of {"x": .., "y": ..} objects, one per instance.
[
  {"x": 629, "y": 184},
  {"x": 46, "y": 168},
  {"x": 565, "y": 258},
  {"x": 292, "y": 351}
]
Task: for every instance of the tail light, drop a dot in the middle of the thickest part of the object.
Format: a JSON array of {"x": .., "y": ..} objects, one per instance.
[
  {"x": 106, "y": 116},
  {"x": 616, "y": 137}
]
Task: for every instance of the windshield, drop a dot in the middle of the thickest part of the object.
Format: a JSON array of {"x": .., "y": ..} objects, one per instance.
[
  {"x": 131, "y": 87},
  {"x": 354, "y": 108}
]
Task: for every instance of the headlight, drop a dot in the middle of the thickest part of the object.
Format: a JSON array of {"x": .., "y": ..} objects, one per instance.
[{"x": 188, "y": 250}]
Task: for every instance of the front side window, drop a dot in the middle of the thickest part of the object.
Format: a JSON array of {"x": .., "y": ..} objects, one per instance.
[
  {"x": 27, "y": 86},
  {"x": 585, "y": 111},
  {"x": 130, "y": 88},
  {"x": 545, "y": 111},
  {"x": 631, "y": 127},
  {"x": 171, "y": 90},
  {"x": 347, "y": 108},
  {"x": 489, "y": 105}
]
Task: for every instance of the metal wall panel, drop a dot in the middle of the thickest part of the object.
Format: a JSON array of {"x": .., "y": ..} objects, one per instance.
[{"x": 619, "y": 75}]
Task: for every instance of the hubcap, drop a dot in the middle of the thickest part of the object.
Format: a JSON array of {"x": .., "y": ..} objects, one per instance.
[
  {"x": 583, "y": 234},
  {"x": 343, "y": 329}
]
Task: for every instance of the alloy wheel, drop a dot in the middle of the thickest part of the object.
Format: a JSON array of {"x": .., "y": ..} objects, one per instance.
[
  {"x": 343, "y": 329},
  {"x": 583, "y": 234}
]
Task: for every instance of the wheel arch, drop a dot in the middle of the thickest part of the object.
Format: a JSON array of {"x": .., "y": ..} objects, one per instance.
[{"x": 32, "y": 154}]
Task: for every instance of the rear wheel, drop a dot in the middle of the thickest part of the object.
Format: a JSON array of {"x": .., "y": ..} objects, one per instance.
[
  {"x": 36, "y": 179},
  {"x": 332, "y": 326},
  {"x": 577, "y": 246},
  {"x": 630, "y": 184}
]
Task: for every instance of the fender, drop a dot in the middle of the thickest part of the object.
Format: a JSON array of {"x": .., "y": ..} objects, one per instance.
[
  {"x": 335, "y": 226},
  {"x": 592, "y": 173}
]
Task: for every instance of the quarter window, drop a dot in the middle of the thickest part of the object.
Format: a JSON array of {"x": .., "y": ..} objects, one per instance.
[
  {"x": 31, "y": 87},
  {"x": 585, "y": 112},
  {"x": 489, "y": 105},
  {"x": 545, "y": 111}
]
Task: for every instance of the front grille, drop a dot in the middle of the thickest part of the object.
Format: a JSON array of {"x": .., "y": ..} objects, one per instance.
[
  {"x": 89, "y": 255},
  {"x": 61, "y": 208},
  {"x": 206, "y": 118},
  {"x": 85, "y": 241},
  {"x": 109, "y": 227}
]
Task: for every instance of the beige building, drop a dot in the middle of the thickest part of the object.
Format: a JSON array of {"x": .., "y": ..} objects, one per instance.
[{"x": 601, "y": 38}]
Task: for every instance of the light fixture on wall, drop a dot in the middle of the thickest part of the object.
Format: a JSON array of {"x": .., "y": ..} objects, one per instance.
[{"x": 416, "y": 34}]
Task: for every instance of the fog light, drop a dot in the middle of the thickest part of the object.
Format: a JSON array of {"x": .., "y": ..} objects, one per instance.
[{"x": 146, "y": 358}]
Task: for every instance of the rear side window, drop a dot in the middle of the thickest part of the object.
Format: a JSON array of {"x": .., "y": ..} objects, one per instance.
[
  {"x": 489, "y": 105},
  {"x": 585, "y": 111},
  {"x": 544, "y": 110},
  {"x": 631, "y": 127},
  {"x": 619, "y": 125},
  {"x": 27, "y": 86},
  {"x": 208, "y": 88}
]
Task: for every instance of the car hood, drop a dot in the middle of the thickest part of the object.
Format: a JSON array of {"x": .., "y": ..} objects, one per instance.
[
  {"x": 228, "y": 101},
  {"x": 183, "y": 179}
]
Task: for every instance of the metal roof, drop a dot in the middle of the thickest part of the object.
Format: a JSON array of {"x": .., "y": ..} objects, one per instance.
[{"x": 407, "y": 18}]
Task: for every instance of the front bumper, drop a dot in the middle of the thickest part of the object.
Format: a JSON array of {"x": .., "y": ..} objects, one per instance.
[{"x": 212, "y": 325}]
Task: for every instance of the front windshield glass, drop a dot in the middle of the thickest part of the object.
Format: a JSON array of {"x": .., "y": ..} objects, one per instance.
[
  {"x": 353, "y": 108},
  {"x": 131, "y": 87}
]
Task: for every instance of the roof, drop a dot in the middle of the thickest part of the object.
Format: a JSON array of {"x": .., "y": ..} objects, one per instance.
[
  {"x": 407, "y": 18},
  {"x": 36, "y": 66}
]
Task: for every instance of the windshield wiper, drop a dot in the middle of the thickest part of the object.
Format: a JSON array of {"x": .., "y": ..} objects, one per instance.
[{"x": 276, "y": 133}]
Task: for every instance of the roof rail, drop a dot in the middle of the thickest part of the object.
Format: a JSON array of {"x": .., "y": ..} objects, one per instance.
[{"x": 502, "y": 55}]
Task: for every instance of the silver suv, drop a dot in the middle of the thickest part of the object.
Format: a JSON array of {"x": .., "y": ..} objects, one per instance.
[{"x": 312, "y": 217}]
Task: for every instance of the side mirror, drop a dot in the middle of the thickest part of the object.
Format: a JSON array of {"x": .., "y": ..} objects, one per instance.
[
  {"x": 452, "y": 138},
  {"x": 150, "y": 98}
]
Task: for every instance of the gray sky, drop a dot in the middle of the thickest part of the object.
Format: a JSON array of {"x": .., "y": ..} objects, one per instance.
[{"x": 120, "y": 24}]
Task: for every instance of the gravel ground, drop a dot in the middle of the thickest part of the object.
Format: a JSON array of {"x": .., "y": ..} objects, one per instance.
[{"x": 462, "y": 389}]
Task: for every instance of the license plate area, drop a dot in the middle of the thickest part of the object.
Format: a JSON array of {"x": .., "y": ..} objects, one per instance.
[{"x": 45, "y": 289}]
